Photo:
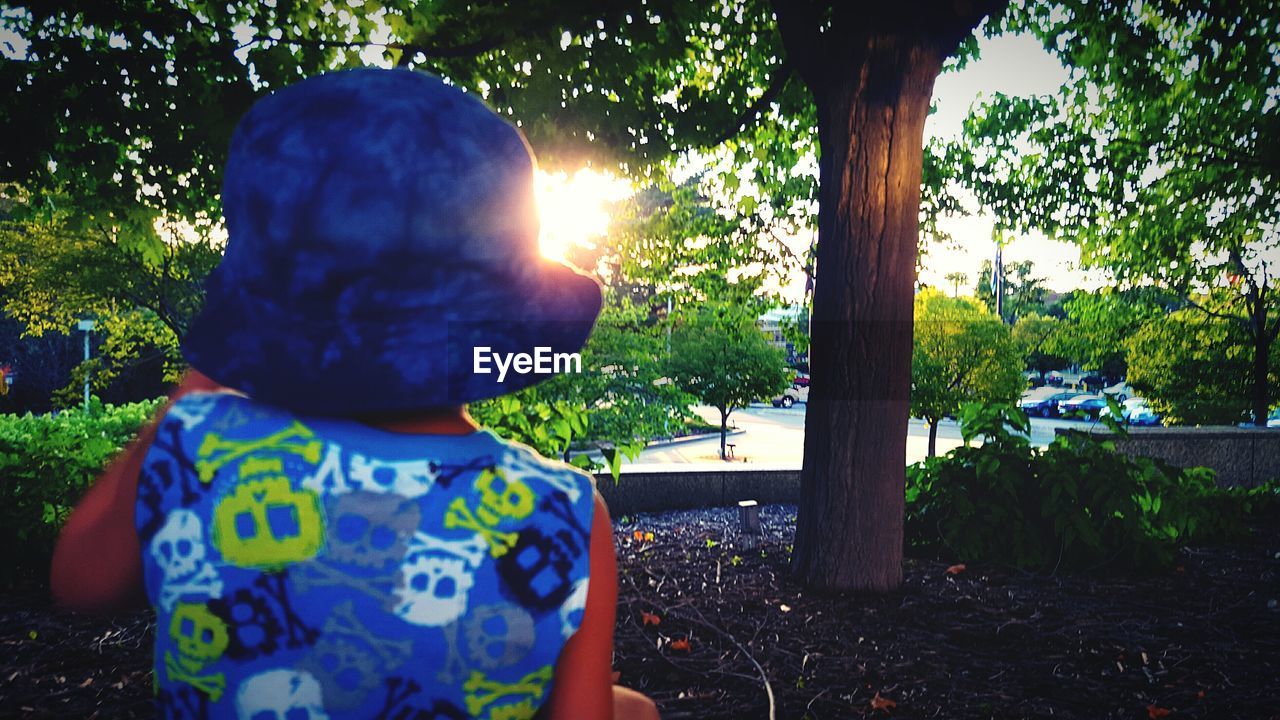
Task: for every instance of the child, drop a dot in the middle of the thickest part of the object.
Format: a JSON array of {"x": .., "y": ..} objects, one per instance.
[{"x": 321, "y": 529}]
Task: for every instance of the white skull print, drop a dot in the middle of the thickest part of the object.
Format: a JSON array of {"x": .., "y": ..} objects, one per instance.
[
  {"x": 280, "y": 695},
  {"x": 178, "y": 548},
  {"x": 434, "y": 591}
]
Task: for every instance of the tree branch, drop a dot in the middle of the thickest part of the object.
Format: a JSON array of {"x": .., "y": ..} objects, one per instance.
[
  {"x": 1213, "y": 313},
  {"x": 777, "y": 83}
]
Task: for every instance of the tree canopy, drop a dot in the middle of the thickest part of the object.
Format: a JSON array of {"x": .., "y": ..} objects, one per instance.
[
  {"x": 719, "y": 356},
  {"x": 962, "y": 354}
]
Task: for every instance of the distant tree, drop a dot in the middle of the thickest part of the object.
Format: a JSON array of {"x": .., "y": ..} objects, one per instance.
[
  {"x": 1022, "y": 293},
  {"x": 1098, "y": 323},
  {"x": 1192, "y": 370},
  {"x": 1040, "y": 339},
  {"x": 956, "y": 279},
  {"x": 962, "y": 354},
  {"x": 719, "y": 356}
]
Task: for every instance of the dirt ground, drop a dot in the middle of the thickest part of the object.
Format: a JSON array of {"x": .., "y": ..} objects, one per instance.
[{"x": 710, "y": 626}]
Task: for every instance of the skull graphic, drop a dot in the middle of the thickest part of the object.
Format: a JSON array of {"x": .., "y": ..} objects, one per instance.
[
  {"x": 370, "y": 530},
  {"x": 347, "y": 670},
  {"x": 498, "y": 635},
  {"x": 178, "y": 548},
  {"x": 434, "y": 591},
  {"x": 280, "y": 695}
]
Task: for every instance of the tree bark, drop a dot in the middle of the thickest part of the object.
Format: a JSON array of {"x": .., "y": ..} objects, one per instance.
[
  {"x": 933, "y": 438},
  {"x": 1261, "y": 390},
  {"x": 724, "y": 430},
  {"x": 871, "y": 72}
]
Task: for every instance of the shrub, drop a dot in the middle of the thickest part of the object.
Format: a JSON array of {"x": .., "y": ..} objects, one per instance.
[
  {"x": 46, "y": 463},
  {"x": 1076, "y": 504}
]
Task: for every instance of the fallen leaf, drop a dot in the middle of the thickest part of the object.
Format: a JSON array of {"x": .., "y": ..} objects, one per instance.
[
  {"x": 784, "y": 608},
  {"x": 648, "y": 618},
  {"x": 1155, "y": 712},
  {"x": 880, "y": 703},
  {"x": 648, "y": 537},
  {"x": 681, "y": 644},
  {"x": 638, "y": 535},
  {"x": 956, "y": 569},
  {"x": 87, "y": 682}
]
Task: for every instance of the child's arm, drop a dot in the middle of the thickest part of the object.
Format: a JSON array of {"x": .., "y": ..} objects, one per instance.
[
  {"x": 583, "y": 686},
  {"x": 97, "y": 563},
  {"x": 583, "y": 682}
]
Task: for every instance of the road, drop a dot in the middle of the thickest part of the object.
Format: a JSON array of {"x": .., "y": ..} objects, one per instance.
[{"x": 774, "y": 437}]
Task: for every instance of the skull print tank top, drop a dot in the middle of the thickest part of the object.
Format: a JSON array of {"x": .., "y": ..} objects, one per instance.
[{"x": 307, "y": 568}]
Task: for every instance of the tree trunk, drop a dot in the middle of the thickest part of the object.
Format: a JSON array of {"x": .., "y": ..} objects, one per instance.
[
  {"x": 724, "y": 431},
  {"x": 933, "y": 438},
  {"x": 871, "y": 68},
  {"x": 1261, "y": 390}
]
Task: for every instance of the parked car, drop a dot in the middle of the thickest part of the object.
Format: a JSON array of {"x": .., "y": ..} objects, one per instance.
[
  {"x": 802, "y": 380},
  {"x": 1088, "y": 405},
  {"x": 792, "y": 395},
  {"x": 1094, "y": 382},
  {"x": 1054, "y": 378},
  {"x": 1046, "y": 406},
  {"x": 1120, "y": 391},
  {"x": 1135, "y": 411}
]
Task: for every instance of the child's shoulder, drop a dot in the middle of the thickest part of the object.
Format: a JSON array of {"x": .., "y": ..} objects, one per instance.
[{"x": 521, "y": 462}]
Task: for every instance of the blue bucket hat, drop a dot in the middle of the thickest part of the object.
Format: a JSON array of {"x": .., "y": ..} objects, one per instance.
[{"x": 381, "y": 227}]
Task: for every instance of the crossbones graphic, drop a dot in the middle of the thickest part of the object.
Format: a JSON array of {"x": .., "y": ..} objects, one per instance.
[
  {"x": 482, "y": 692},
  {"x": 216, "y": 452},
  {"x": 205, "y": 582},
  {"x": 178, "y": 670},
  {"x": 472, "y": 550},
  {"x": 459, "y": 515}
]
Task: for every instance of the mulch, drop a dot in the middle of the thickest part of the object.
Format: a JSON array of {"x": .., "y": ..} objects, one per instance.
[{"x": 711, "y": 626}]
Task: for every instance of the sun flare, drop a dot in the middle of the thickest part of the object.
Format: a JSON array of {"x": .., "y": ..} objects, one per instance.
[{"x": 574, "y": 208}]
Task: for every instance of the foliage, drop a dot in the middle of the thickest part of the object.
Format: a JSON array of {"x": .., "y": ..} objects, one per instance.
[
  {"x": 1193, "y": 369},
  {"x": 46, "y": 462},
  {"x": 617, "y": 404},
  {"x": 53, "y": 274},
  {"x": 719, "y": 356},
  {"x": 962, "y": 354},
  {"x": 1158, "y": 156},
  {"x": 1040, "y": 338},
  {"x": 1099, "y": 323},
  {"x": 1023, "y": 294},
  {"x": 673, "y": 243},
  {"x": 1075, "y": 505}
]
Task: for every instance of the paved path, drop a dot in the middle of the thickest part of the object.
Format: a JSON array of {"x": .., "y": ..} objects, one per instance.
[{"x": 775, "y": 437}]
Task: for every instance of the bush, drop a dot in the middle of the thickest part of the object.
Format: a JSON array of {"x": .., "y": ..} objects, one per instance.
[
  {"x": 1076, "y": 504},
  {"x": 46, "y": 463}
]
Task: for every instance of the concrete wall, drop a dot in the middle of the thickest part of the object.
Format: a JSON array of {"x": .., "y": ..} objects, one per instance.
[
  {"x": 692, "y": 486},
  {"x": 1243, "y": 457}
]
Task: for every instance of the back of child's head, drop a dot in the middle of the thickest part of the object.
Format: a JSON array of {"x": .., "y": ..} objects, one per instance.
[{"x": 381, "y": 226}]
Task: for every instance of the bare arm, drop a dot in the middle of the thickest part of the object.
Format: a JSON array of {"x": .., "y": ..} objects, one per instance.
[{"x": 97, "y": 563}]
